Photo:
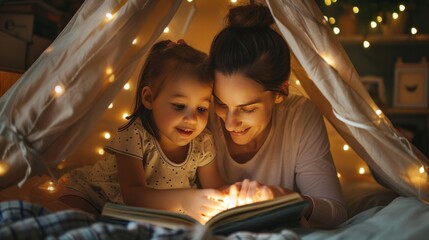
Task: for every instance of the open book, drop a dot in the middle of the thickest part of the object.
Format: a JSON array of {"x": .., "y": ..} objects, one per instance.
[{"x": 261, "y": 216}]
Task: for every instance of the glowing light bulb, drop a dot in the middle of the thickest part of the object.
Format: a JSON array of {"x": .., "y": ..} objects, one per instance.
[
  {"x": 328, "y": 59},
  {"x": 401, "y": 8},
  {"x": 107, "y": 135},
  {"x": 109, "y": 16},
  {"x": 378, "y": 112},
  {"x": 326, "y": 18},
  {"x": 338, "y": 175},
  {"x": 109, "y": 70},
  {"x": 366, "y": 44},
  {"x": 125, "y": 115},
  {"x": 373, "y": 24},
  {"x": 297, "y": 82},
  {"x": 355, "y": 10},
  {"x": 395, "y": 15},
  {"x": 166, "y": 30},
  {"x": 346, "y": 147},
  {"x": 59, "y": 90},
  {"x": 100, "y": 151},
  {"x": 379, "y": 19},
  {"x": 189, "y": 0},
  {"x": 361, "y": 171},
  {"x": 331, "y": 20},
  {"x": 328, "y": 2},
  {"x": 60, "y": 166},
  {"x": 134, "y": 42},
  {"x": 51, "y": 187},
  {"x": 127, "y": 86},
  {"x": 3, "y": 168},
  {"x": 413, "y": 30},
  {"x": 336, "y": 30},
  {"x": 233, "y": 1},
  {"x": 422, "y": 170},
  {"x": 110, "y": 106}
]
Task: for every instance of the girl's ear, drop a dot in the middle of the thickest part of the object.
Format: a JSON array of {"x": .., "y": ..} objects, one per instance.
[
  {"x": 278, "y": 98},
  {"x": 147, "y": 97}
]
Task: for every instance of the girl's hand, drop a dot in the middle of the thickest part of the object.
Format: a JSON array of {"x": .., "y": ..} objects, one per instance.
[{"x": 203, "y": 204}]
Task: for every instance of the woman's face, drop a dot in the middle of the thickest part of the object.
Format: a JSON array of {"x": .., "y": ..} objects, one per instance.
[{"x": 244, "y": 106}]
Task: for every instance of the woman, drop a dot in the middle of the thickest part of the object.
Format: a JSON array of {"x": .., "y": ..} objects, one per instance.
[{"x": 261, "y": 133}]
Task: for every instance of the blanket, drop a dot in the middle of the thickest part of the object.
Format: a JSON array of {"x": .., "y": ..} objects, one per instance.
[{"x": 403, "y": 218}]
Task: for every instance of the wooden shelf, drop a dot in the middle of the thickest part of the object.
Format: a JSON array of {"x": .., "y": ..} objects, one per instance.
[
  {"x": 376, "y": 39},
  {"x": 420, "y": 111}
]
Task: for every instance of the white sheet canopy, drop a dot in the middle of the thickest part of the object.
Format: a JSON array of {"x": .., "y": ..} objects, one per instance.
[{"x": 92, "y": 59}]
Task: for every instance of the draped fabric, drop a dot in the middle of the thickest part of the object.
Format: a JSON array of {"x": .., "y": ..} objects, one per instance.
[
  {"x": 331, "y": 81},
  {"x": 93, "y": 58},
  {"x": 50, "y": 109}
]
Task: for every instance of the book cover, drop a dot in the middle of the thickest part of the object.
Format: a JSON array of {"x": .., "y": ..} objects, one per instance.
[{"x": 284, "y": 211}]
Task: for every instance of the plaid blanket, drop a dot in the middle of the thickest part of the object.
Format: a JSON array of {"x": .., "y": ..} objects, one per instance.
[{"x": 24, "y": 220}]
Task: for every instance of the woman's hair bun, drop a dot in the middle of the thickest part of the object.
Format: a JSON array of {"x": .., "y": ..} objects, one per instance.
[{"x": 252, "y": 15}]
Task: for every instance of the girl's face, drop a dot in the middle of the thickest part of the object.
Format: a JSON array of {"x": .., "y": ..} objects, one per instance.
[
  {"x": 180, "y": 110},
  {"x": 244, "y": 106}
]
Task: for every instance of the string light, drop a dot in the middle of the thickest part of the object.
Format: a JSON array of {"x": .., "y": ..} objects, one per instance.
[
  {"x": 100, "y": 151},
  {"x": 107, "y": 135},
  {"x": 328, "y": 2},
  {"x": 166, "y": 30},
  {"x": 59, "y": 90},
  {"x": 413, "y": 30},
  {"x": 331, "y": 20},
  {"x": 422, "y": 170},
  {"x": 297, "y": 82},
  {"x": 127, "y": 86},
  {"x": 233, "y": 1},
  {"x": 346, "y": 147},
  {"x": 60, "y": 166},
  {"x": 109, "y": 16},
  {"x": 134, "y": 42},
  {"x": 338, "y": 175},
  {"x": 110, "y": 106},
  {"x": 373, "y": 24},
  {"x": 336, "y": 30},
  {"x": 401, "y": 8},
  {"x": 189, "y": 0},
  {"x": 355, "y": 10},
  {"x": 109, "y": 70},
  {"x": 361, "y": 171},
  {"x": 125, "y": 115},
  {"x": 3, "y": 168},
  {"x": 379, "y": 19},
  {"x": 49, "y": 186},
  {"x": 378, "y": 112},
  {"x": 366, "y": 44},
  {"x": 395, "y": 15}
]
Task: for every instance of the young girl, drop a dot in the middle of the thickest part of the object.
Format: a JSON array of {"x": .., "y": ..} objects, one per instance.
[{"x": 153, "y": 161}]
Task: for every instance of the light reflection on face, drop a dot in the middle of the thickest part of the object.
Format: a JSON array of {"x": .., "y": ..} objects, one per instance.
[{"x": 244, "y": 106}]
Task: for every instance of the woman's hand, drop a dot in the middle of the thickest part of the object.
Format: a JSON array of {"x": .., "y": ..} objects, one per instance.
[
  {"x": 248, "y": 191},
  {"x": 202, "y": 204}
]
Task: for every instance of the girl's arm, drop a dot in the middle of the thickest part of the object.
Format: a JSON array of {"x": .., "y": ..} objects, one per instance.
[
  {"x": 209, "y": 176},
  {"x": 201, "y": 204}
]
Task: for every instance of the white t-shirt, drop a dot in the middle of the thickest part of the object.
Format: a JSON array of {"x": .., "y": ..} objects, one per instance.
[
  {"x": 295, "y": 155},
  {"x": 99, "y": 183}
]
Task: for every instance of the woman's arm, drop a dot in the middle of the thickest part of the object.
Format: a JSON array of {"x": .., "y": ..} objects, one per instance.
[{"x": 198, "y": 203}]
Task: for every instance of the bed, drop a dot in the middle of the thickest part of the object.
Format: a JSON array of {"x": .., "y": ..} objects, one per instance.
[{"x": 375, "y": 212}]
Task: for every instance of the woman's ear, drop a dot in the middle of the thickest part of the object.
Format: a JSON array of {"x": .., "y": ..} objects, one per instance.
[
  {"x": 278, "y": 98},
  {"x": 147, "y": 98}
]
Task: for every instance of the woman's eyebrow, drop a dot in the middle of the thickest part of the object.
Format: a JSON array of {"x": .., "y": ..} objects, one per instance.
[{"x": 256, "y": 101}]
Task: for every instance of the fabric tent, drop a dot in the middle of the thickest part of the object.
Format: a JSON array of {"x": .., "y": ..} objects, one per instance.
[{"x": 38, "y": 133}]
